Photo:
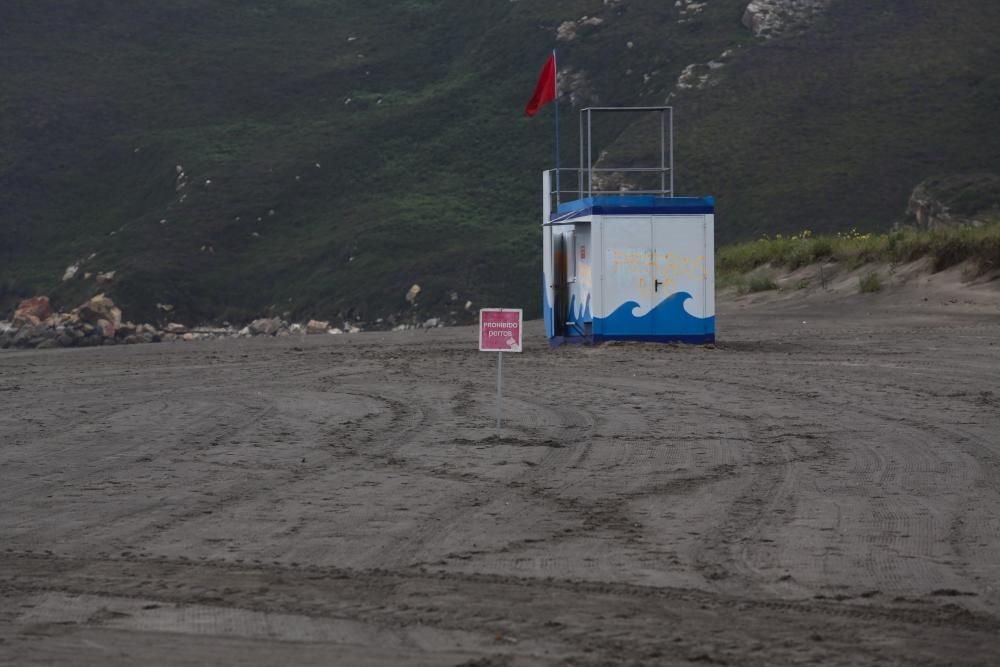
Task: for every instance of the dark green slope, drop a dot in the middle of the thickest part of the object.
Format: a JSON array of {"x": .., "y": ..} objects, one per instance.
[
  {"x": 833, "y": 129},
  {"x": 430, "y": 174}
]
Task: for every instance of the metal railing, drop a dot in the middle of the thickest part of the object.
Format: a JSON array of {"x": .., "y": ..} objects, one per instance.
[
  {"x": 593, "y": 180},
  {"x": 608, "y": 181}
]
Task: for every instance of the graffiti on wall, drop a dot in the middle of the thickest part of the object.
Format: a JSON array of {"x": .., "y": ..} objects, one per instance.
[{"x": 642, "y": 268}]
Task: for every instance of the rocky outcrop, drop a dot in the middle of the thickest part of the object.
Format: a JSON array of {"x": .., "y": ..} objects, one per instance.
[
  {"x": 943, "y": 201},
  {"x": 576, "y": 87},
  {"x": 568, "y": 30},
  {"x": 32, "y": 311},
  {"x": 773, "y": 18}
]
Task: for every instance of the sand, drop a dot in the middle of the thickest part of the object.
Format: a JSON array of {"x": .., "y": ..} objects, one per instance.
[{"x": 821, "y": 487}]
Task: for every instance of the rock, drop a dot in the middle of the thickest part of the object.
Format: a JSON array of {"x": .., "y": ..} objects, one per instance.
[
  {"x": 106, "y": 277},
  {"x": 772, "y": 18},
  {"x": 100, "y": 308},
  {"x": 189, "y": 337},
  {"x": 66, "y": 340},
  {"x": 89, "y": 341},
  {"x": 576, "y": 87},
  {"x": 956, "y": 199},
  {"x": 71, "y": 271},
  {"x": 23, "y": 335},
  {"x": 32, "y": 311},
  {"x": 317, "y": 327},
  {"x": 566, "y": 31},
  {"x": 411, "y": 294},
  {"x": 431, "y": 323},
  {"x": 60, "y": 320},
  {"x": 47, "y": 344},
  {"x": 297, "y": 330},
  {"x": 335, "y": 331},
  {"x": 176, "y": 328},
  {"x": 106, "y": 328},
  {"x": 266, "y": 326},
  {"x": 689, "y": 7}
]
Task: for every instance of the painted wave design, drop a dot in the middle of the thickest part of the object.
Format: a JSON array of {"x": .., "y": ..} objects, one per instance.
[
  {"x": 668, "y": 318},
  {"x": 577, "y": 314},
  {"x": 547, "y": 307}
]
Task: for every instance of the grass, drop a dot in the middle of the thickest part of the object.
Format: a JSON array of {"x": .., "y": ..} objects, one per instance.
[
  {"x": 946, "y": 247},
  {"x": 761, "y": 283},
  {"x": 870, "y": 283}
]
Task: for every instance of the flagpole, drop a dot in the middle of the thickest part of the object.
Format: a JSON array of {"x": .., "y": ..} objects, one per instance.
[{"x": 556, "y": 80}]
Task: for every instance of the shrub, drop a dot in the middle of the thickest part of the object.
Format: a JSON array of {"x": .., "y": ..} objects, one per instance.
[
  {"x": 732, "y": 279},
  {"x": 761, "y": 283},
  {"x": 870, "y": 283},
  {"x": 944, "y": 247},
  {"x": 821, "y": 248}
]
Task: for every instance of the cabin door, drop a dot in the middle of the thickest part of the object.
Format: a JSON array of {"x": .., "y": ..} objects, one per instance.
[
  {"x": 628, "y": 285},
  {"x": 678, "y": 264}
]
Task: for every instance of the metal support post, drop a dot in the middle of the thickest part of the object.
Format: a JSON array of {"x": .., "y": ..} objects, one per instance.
[
  {"x": 579, "y": 189},
  {"x": 663, "y": 153},
  {"x": 671, "y": 151},
  {"x": 590, "y": 156},
  {"x": 499, "y": 390}
]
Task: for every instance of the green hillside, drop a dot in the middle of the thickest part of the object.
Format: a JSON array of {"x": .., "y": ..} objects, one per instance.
[{"x": 335, "y": 153}]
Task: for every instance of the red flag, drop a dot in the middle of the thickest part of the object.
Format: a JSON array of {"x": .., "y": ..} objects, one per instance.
[{"x": 545, "y": 91}]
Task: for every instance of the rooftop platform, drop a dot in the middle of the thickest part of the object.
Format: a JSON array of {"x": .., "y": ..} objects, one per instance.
[{"x": 632, "y": 205}]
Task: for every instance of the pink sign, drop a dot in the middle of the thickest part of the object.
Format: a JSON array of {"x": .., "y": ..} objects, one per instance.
[{"x": 500, "y": 330}]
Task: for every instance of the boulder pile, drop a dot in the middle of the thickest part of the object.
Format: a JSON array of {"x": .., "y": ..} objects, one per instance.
[
  {"x": 275, "y": 326},
  {"x": 98, "y": 321}
]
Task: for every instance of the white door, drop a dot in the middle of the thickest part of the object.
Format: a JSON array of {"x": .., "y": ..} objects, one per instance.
[
  {"x": 680, "y": 267},
  {"x": 628, "y": 284}
]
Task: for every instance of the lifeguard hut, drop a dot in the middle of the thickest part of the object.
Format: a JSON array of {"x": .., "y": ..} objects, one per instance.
[{"x": 624, "y": 259}]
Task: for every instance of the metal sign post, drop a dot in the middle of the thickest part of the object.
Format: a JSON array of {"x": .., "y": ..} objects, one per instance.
[
  {"x": 499, "y": 389},
  {"x": 500, "y": 331}
]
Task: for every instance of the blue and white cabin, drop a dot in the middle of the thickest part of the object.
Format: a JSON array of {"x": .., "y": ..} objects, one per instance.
[{"x": 624, "y": 259}]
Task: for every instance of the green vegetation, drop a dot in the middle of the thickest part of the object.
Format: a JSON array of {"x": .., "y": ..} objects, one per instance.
[
  {"x": 761, "y": 282},
  {"x": 946, "y": 247},
  {"x": 870, "y": 283},
  {"x": 388, "y": 140}
]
